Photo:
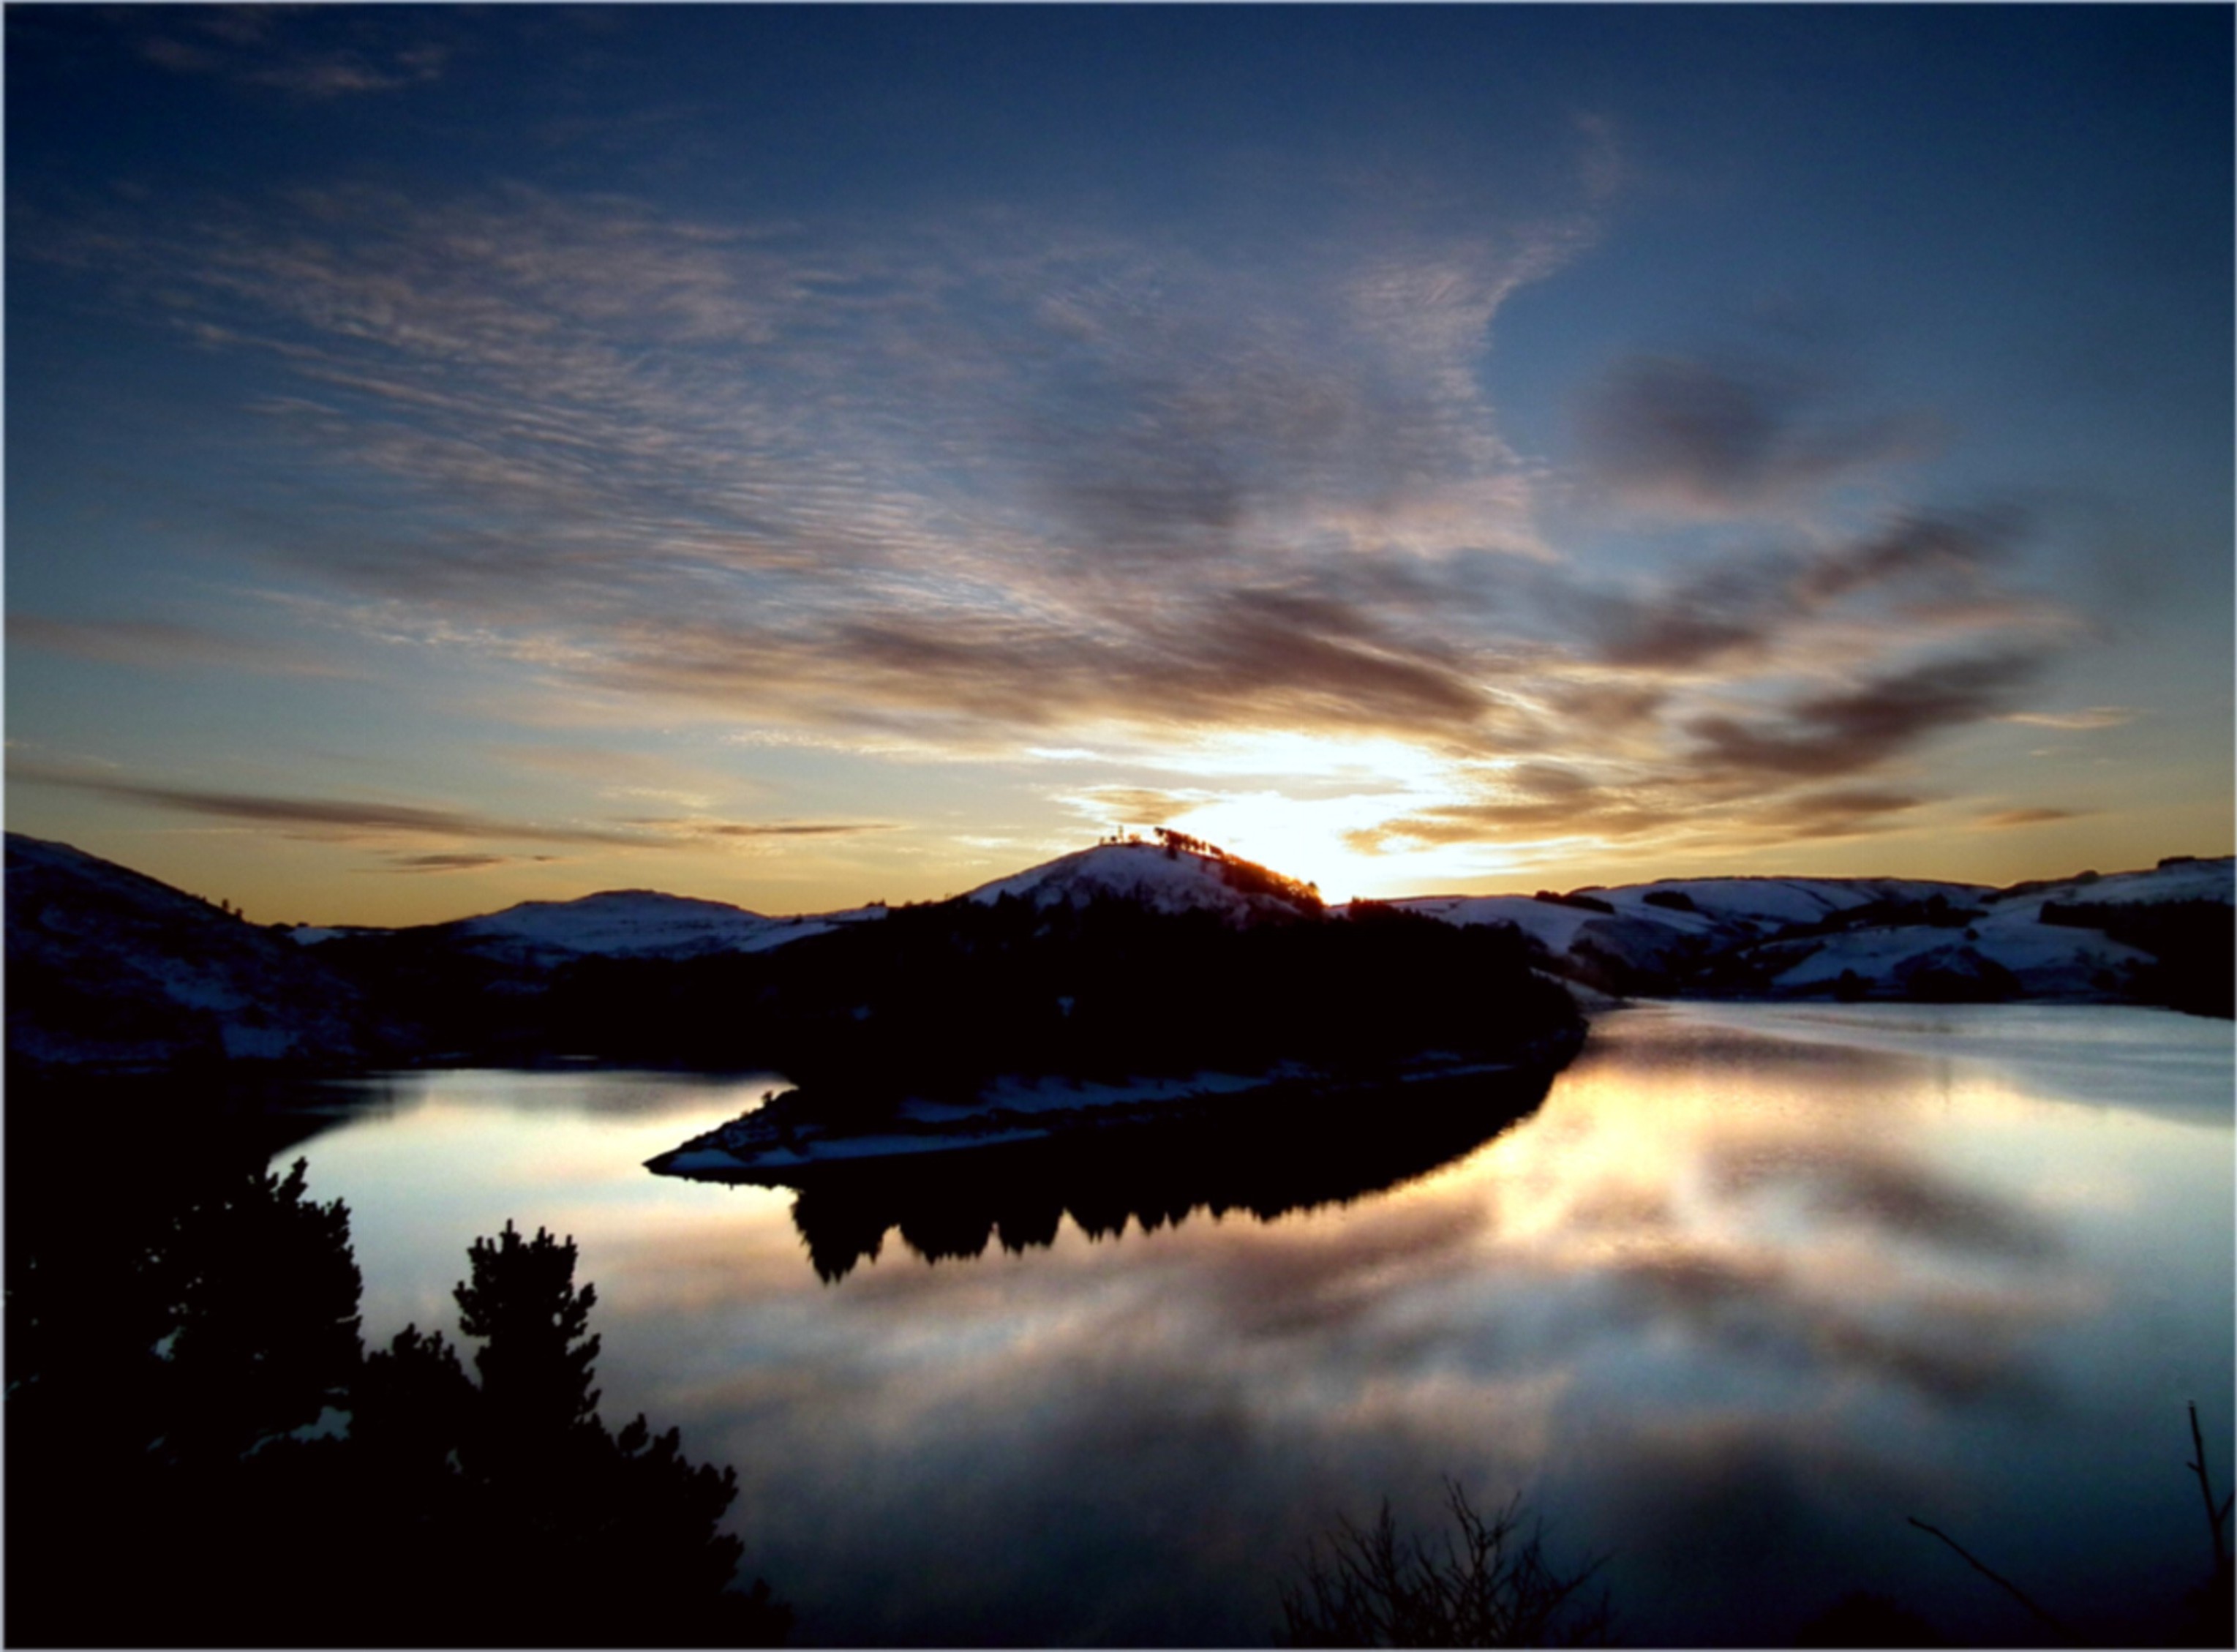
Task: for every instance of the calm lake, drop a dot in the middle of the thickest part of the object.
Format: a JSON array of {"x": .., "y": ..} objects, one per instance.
[{"x": 1751, "y": 1286}]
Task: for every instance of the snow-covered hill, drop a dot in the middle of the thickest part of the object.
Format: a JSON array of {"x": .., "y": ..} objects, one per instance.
[
  {"x": 2035, "y": 941},
  {"x": 614, "y": 923},
  {"x": 1863, "y": 937},
  {"x": 635, "y": 924},
  {"x": 1163, "y": 878},
  {"x": 110, "y": 968},
  {"x": 1673, "y": 924}
]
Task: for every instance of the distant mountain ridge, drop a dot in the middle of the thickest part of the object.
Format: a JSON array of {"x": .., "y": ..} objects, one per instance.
[{"x": 108, "y": 967}]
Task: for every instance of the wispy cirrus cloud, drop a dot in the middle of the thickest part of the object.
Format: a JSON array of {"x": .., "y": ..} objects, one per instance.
[
  {"x": 312, "y": 53},
  {"x": 959, "y": 483}
]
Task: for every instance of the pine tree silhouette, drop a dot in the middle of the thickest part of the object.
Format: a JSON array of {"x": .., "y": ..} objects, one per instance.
[
  {"x": 535, "y": 1368},
  {"x": 165, "y": 1357},
  {"x": 264, "y": 1292}
]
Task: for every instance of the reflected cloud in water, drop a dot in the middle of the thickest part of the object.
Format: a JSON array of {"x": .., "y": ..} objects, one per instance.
[
  {"x": 1729, "y": 1306},
  {"x": 1269, "y": 1164}
]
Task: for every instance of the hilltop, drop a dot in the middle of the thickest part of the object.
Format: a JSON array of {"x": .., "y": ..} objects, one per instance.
[{"x": 1176, "y": 874}]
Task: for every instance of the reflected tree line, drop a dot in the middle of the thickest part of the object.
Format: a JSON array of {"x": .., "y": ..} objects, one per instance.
[
  {"x": 202, "y": 1450},
  {"x": 1270, "y": 1161}
]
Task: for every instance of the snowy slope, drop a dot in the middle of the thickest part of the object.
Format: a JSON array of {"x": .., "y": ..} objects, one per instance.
[
  {"x": 635, "y": 924},
  {"x": 1880, "y": 937},
  {"x": 1677, "y": 924},
  {"x": 2005, "y": 944},
  {"x": 1169, "y": 881},
  {"x": 616, "y": 923},
  {"x": 2181, "y": 878},
  {"x": 110, "y": 968}
]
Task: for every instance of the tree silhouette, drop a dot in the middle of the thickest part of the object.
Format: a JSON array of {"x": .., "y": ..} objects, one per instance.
[
  {"x": 535, "y": 1369},
  {"x": 593, "y": 1538},
  {"x": 263, "y": 1293},
  {"x": 189, "y": 1401}
]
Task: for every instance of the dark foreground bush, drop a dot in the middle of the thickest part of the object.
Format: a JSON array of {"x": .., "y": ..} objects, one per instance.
[
  {"x": 201, "y": 1452},
  {"x": 1484, "y": 1582}
]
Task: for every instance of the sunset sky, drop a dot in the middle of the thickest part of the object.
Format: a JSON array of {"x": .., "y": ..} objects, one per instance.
[{"x": 797, "y": 457}]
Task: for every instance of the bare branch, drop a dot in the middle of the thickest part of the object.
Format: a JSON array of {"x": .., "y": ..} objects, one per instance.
[
  {"x": 1482, "y": 1581},
  {"x": 2018, "y": 1594},
  {"x": 2217, "y": 1522}
]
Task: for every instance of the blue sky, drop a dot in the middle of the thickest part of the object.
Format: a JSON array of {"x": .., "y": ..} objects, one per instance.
[{"x": 801, "y": 456}]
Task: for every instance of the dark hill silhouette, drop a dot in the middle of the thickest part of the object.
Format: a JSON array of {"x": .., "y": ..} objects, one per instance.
[
  {"x": 108, "y": 967},
  {"x": 939, "y": 1021},
  {"x": 938, "y": 1000}
]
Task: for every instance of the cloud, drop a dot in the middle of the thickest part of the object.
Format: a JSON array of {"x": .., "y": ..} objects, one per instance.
[
  {"x": 1921, "y": 566},
  {"x": 1854, "y": 1183},
  {"x": 1134, "y": 805},
  {"x": 340, "y": 74},
  {"x": 1731, "y": 611},
  {"x": 455, "y": 862},
  {"x": 1537, "y": 800},
  {"x": 2005, "y": 819},
  {"x": 1720, "y": 436},
  {"x": 1838, "y": 812},
  {"x": 162, "y": 644},
  {"x": 2097, "y": 717},
  {"x": 336, "y": 819},
  {"x": 589, "y": 414},
  {"x": 1210, "y": 658},
  {"x": 295, "y": 50},
  {"x": 941, "y": 487},
  {"x": 731, "y": 829},
  {"x": 1542, "y": 800},
  {"x": 1855, "y": 728},
  {"x": 1947, "y": 552}
]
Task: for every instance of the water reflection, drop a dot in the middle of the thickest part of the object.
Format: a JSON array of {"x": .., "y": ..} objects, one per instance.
[
  {"x": 1734, "y": 1300},
  {"x": 1789, "y": 1210},
  {"x": 1312, "y": 1153}
]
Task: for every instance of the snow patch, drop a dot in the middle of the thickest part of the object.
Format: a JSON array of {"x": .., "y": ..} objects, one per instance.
[{"x": 1162, "y": 880}]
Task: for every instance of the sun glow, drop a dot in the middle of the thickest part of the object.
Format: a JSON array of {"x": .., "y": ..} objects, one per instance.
[
  {"x": 1318, "y": 839},
  {"x": 1308, "y": 806}
]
